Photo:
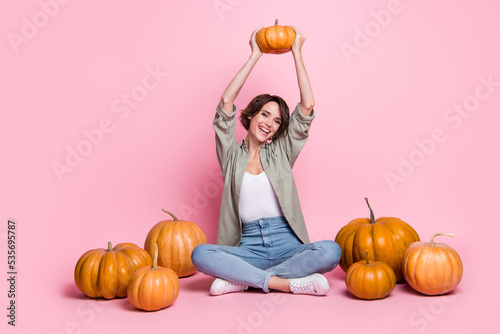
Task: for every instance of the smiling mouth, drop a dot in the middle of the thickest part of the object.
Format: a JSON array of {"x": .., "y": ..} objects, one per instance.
[{"x": 264, "y": 130}]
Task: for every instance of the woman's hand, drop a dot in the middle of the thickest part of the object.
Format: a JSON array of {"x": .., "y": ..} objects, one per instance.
[
  {"x": 300, "y": 38},
  {"x": 253, "y": 43}
]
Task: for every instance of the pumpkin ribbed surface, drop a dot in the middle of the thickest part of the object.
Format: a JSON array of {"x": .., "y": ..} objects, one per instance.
[
  {"x": 275, "y": 39},
  {"x": 386, "y": 239},
  {"x": 152, "y": 288},
  {"x": 101, "y": 273},
  {"x": 176, "y": 240},
  {"x": 367, "y": 280},
  {"x": 432, "y": 268}
]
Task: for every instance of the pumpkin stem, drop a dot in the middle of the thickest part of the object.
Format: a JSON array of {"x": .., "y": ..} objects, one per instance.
[
  {"x": 170, "y": 213},
  {"x": 155, "y": 258},
  {"x": 110, "y": 248},
  {"x": 276, "y": 22},
  {"x": 366, "y": 257},
  {"x": 372, "y": 217},
  {"x": 435, "y": 235}
]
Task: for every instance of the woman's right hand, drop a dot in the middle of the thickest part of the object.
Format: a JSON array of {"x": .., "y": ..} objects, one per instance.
[{"x": 253, "y": 43}]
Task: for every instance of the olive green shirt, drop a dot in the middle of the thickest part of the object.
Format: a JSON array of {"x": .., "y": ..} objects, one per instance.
[{"x": 277, "y": 159}]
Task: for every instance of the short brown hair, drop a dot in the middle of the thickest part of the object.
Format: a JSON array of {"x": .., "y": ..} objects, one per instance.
[{"x": 255, "y": 106}]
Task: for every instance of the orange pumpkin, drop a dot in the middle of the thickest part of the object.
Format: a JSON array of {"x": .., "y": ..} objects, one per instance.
[
  {"x": 370, "y": 280},
  {"x": 275, "y": 39},
  {"x": 386, "y": 238},
  {"x": 152, "y": 288},
  {"x": 432, "y": 269},
  {"x": 105, "y": 272},
  {"x": 176, "y": 240}
]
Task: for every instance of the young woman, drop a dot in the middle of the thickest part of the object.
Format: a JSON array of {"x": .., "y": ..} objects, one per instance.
[{"x": 262, "y": 239}]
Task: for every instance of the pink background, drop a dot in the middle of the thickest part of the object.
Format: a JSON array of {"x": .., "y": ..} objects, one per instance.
[{"x": 67, "y": 75}]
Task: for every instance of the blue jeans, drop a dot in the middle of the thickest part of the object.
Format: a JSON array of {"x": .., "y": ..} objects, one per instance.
[{"x": 268, "y": 247}]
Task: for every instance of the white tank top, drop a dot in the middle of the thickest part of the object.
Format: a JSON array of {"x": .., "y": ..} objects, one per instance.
[{"x": 257, "y": 198}]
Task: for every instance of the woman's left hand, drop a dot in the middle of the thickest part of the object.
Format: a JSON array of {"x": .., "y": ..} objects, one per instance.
[{"x": 300, "y": 38}]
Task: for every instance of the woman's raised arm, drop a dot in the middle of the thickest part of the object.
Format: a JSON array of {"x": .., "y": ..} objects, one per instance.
[
  {"x": 234, "y": 87},
  {"x": 306, "y": 94}
]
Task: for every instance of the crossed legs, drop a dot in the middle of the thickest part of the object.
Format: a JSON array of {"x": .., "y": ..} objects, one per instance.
[{"x": 248, "y": 266}]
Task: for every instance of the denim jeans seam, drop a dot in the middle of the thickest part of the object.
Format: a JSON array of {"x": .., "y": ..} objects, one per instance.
[{"x": 290, "y": 258}]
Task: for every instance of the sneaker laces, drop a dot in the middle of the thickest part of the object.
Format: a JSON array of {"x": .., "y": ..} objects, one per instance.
[
  {"x": 231, "y": 286},
  {"x": 302, "y": 285}
]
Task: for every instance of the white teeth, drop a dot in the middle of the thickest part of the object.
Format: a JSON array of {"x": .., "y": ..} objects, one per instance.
[{"x": 266, "y": 131}]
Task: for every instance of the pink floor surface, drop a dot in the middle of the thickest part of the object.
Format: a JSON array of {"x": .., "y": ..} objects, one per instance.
[{"x": 252, "y": 311}]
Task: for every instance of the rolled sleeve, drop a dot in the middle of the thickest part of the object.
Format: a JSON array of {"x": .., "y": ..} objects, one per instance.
[
  {"x": 224, "y": 125},
  {"x": 301, "y": 117},
  {"x": 298, "y": 132},
  {"x": 224, "y": 114}
]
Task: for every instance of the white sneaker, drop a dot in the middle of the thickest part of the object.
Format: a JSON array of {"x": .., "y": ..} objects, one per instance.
[
  {"x": 315, "y": 284},
  {"x": 220, "y": 287}
]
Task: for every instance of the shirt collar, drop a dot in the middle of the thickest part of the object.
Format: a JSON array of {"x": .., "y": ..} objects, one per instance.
[{"x": 244, "y": 145}]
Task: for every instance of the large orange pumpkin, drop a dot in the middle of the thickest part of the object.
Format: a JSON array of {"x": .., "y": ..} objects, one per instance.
[
  {"x": 176, "y": 240},
  {"x": 152, "y": 288},
  {"x": 386, "y": 239},
  {"x": 275, "y": 39},
  {"x": 431, "y": 268},
  {"x": 105, "y": 272},
  {"x": 370, "y": 280}
]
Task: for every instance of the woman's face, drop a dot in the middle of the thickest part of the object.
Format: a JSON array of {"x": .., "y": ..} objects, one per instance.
[{"x": 266, "y": 122}]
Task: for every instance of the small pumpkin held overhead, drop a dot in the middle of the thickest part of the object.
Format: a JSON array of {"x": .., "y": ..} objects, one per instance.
[{"x": 275, "y": 39}]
